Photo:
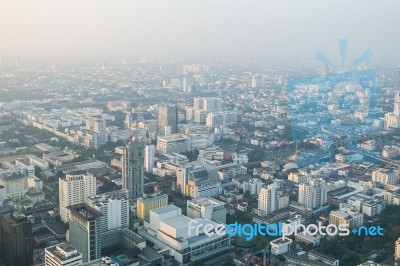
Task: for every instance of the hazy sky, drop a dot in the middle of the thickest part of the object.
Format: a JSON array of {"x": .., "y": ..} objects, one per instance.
[{"x": 281, "y": 28}]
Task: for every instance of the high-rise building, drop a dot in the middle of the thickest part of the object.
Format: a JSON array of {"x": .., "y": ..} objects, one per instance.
[
  {"x": 62, "y": 254},
  {"x": 167, "y": 119},
  {"x": 313, "y": 194},
  {"x": 149, "y": 152},
  {"x": 114, "y": 207},
  {"x": 133, "y": 167},
  {"x": 84, "y": 231},
  {"x": 148, "y": 202},
  {"x": 16, "y": 240},
  {"x": 267, "y": 199},
  {"x": 397, "y": 249},
  {"x": 97, "y": 124},
  {"x": 74, "y": 188}
]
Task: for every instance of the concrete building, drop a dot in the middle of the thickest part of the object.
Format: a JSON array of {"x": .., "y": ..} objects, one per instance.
[
  {"x": 16, "y": 240},
  {"x": 384, "y": 176},
  {"x": 15, "y": 183},
  {"x": 313, "y": 194},
  {"x": 74, "y": 188},
  {"x": 84, "y": 231},
  {"x": 114, "y": 207},
  {"x": 38, "y": 162},
  {"x": 267, "y": 199},
  {"x": 167, "y": 120},
  {"x": 280, "y": 246},
  {"x": 62, "y": 254},
  {"x": 148, "y": 202},
  {"x": 133, "y": 168},
  {"x": 177, "y": 234},
  {"x": 207, "y": 208},
  {"x": 175, "y": 143},
  {"x": 341, "y": 217},
  {"x": 97, "y": 124},
  {"x": 149, "y": 153}
]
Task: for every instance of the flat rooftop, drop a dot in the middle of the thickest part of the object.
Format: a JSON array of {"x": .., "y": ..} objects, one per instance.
[
  {"x": 165, "y": 209},
  {"x": 84, "y": 211}
]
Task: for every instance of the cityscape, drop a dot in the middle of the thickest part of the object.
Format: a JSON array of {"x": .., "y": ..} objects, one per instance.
[{"x": 223, "y": 159}]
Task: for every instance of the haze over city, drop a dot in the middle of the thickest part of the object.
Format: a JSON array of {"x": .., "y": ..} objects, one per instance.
[{"x": 180, "y": 28}]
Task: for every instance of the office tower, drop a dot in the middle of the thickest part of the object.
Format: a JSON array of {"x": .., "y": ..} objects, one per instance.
[
  {"x": 207, "y": 208},
  {"x": 148, "y": 202},
  {"x": 396, "y": 107},
  {"x": 167, "y": 119},
  {"x": 114, "y": 207},
  {"x": 267, "y": 199},
  {"x": 397, "y": 249},
  {"x": 313, "y": 194},
  {"x": 149, "y": 158},
  {"x": 97, "y": 124},
  {"x": 84, "y": 231},
  {"x": 133, "y": 167},
  {"x": 16, "y": 240},
  {"x": 74, "y": 188},
  {"x": 62, "y": 254}
]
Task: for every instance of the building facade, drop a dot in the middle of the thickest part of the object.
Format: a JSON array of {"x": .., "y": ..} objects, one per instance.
[{"x": 74, "y": 188}]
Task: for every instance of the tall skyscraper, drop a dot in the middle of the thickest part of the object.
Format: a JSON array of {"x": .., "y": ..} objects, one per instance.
[
  {"x": 133, "y": 167},
  {"x": 313, "y": 194},
  {"x": 84, "y": 231},
  {"x": 16, "y": 240},
  {"x": 149, "y": 158},
  {"x": 267, "y": 199},
  {"x": 167, "y": 119},
  {"x": 74, "y": 189}
]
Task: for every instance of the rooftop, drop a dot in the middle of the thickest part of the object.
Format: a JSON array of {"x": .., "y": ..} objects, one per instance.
[{"x": 84, "y": 211}]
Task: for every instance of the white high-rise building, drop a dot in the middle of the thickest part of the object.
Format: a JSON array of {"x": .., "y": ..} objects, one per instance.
[
  {"x": 267, "y": 199},
  {"x": 133, "y": 168},
  {"x": 313, "y": 194},
  {"x": 149, "y": 152},
  {"x": 74, "y": 189},
  {"x": 114, "y": 206}
]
